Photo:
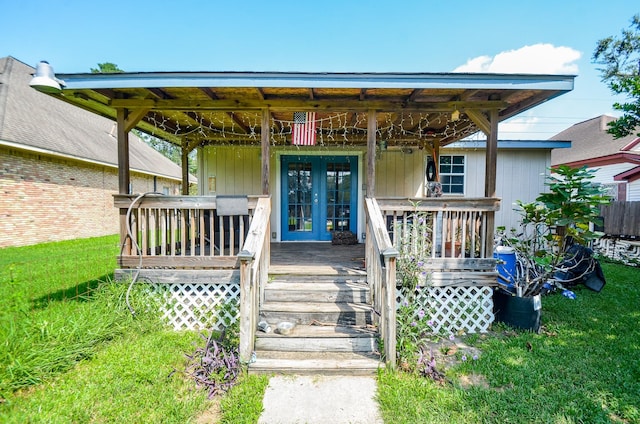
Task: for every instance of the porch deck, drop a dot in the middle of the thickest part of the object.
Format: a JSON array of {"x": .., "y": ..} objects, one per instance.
[{"x": 307, "y": 258}]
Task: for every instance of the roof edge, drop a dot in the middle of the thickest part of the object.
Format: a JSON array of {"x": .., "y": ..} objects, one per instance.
[
  {"x": 511, "y": 144},
  {"x": 612, "y": 159},
  {"x": 316, "y": 80},
  {"x": 33, "y": 149},
  {"x": 630, "y": 175}
]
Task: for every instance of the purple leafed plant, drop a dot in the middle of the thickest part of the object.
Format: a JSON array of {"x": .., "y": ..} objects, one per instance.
[
  {"x": 215, "y": 366},
  {"x": 427, "y": 367}
]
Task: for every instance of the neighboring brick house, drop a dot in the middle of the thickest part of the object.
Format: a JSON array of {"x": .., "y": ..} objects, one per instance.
[
  {"x": 59, "y": 167},
  {"x": 616, "y": 161}
]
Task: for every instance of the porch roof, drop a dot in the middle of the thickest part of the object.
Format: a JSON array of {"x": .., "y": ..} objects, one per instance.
[{"x": 210, "y": 107}]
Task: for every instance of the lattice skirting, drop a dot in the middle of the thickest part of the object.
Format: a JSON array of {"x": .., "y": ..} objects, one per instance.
[
  {"x": 454, "y": 309},
  {"x": 193, "y": 306},
  {"x": 625, "y": 251}
]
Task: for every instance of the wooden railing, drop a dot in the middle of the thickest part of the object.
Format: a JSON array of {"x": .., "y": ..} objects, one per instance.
[
  {"x": 180, "y": 232},
  {"x": 255, "y": 258},
  {"x": 380, "y": 261},
  {"x": 459, "y": 228}
]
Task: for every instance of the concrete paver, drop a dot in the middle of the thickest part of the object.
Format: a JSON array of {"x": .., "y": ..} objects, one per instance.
[{"x": 320, "y": 400}]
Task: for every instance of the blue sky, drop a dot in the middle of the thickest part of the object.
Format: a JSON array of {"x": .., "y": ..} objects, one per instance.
[{"x": 538, "y": 36}]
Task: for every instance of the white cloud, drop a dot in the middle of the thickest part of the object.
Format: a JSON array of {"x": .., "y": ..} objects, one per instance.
[
  {"x": 515, "y": 127},
  {"x": 536, "y": 59}
]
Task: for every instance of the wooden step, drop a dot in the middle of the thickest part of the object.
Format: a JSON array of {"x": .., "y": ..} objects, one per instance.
[
  {"x": 315, "y": 363},
  {"x": 317, "y": 278},
  {"x": 320, "y": 338},
  {"x": 305, "y": 313},
  {"x": 286, "y": 291}
]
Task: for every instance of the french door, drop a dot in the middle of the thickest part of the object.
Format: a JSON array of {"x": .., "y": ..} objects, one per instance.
[{"x": 319, "y": 196}]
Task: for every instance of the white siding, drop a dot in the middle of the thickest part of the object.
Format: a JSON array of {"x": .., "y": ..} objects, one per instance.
[
  {"x": 605, "y": 174},
  {"x": 520, "y": 176},
  {"x": 633, "y": 191}
]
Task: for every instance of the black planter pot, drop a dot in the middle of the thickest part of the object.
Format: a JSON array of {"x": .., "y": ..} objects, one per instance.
[{"x": 519, "y": 312}]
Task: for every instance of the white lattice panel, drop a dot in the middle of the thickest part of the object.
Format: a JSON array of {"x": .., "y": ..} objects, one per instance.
[
  {"x": 192, "y": 306},
  {"x": 454, "y": 309},
  {"x": 625, "y": 251}
]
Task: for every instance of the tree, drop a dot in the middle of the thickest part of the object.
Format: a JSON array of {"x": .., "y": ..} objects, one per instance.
[
  {"x": 106, "y": 68},
  {"x": 169, "y": 150},
  {"x": 621, "y": 60}
]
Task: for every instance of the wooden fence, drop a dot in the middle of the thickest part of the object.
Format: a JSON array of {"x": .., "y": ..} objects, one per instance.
[{"x": 621, "y": 218}]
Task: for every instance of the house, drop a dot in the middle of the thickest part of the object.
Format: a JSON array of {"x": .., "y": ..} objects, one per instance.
[
  {"x": 289, "y": 160},
  {"x": 616, "y": 161},
  {"x": 55, "y": 157},
  {"x": 616, "y": 165}
]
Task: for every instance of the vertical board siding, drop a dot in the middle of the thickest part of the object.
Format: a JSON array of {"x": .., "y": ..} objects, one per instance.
[
  {"x": 400, "y": 174},
  {"x": 236, "y": 169}
]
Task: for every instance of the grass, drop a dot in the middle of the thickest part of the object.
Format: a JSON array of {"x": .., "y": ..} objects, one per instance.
[
  {"x": 583, "y": 367},
  {"x": 71, "y": 352}
]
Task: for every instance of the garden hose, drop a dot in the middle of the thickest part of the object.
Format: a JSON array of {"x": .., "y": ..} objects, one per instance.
[{"x": 137, "y": 247}]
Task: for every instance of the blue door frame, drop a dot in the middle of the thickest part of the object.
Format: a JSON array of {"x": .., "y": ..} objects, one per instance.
[{"x": 319, "y": 196}]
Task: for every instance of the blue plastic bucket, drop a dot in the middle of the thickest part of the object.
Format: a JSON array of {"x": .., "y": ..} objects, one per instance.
[{"x": 506, "y": 263}]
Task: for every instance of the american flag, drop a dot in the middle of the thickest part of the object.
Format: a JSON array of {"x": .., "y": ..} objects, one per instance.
[{"x": 304, "y": 128}]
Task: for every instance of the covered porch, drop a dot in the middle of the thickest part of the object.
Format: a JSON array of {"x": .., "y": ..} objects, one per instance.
[{"x": 190, "y": 238}]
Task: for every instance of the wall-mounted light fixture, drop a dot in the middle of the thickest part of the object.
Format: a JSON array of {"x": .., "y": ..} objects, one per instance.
[{"x": 45, "y": 80}]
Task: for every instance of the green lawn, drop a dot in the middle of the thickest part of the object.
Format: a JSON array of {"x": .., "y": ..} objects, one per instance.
[
  {"x": 72, "y": 352},
  {"x": 584, "y": 367}
]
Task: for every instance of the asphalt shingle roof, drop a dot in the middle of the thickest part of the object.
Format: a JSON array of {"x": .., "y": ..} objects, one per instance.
[
  {"x": 589, "y": 140},
  {"x": 35, "y": 120}
]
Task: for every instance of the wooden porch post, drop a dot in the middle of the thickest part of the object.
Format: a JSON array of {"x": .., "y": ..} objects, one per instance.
[
  {"x": 371, "y": 153},
  {"x": 490, "y": 177},
  {"x": 184, "y": 159},
  {"x": 492, "y": 155},
  {"x": 123, "y": 152},
  {"x": 264, "y": 139},
  {"x": 123, "y": 174}
]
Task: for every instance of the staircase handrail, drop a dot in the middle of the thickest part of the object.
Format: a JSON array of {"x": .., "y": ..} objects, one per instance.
[
  {"x": 380, "y": 260},
  {"x": 255, "y": 258}
]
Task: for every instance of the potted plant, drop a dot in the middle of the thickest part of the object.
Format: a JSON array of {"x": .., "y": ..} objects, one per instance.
[{"x": 556, "y": 220}]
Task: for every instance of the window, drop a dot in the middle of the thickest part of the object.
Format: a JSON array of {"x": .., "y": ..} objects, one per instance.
[{"x": 452, "y": 174}]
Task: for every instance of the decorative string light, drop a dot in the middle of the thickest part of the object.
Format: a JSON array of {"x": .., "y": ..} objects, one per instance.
[{"x": 345, "y": 128}]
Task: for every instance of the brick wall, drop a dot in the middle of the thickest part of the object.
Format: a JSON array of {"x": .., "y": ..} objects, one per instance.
[{"x": 44, "y": 198}]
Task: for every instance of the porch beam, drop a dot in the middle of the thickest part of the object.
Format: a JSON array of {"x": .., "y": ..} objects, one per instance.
[
  {"x": 264, "y": 140},
  {"x": 213, "y": 96},
  {"x": 371, "y": 153},
  {"x": 479, "y": 119},
  {"x": 293, "y": 105},
  {"x": 134, "y": 117}
]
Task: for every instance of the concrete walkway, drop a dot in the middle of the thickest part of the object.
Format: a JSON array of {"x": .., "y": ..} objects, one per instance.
[{"x": 320, "y": 400}]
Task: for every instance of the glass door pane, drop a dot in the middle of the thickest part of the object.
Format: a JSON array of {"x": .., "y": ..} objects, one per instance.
[
  {"x": 300, "y": 197},
  {"x": 338, "y": 191}
]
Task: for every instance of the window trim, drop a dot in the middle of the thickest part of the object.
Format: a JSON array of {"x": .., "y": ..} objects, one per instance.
[{"x": 463, "y": 174}]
